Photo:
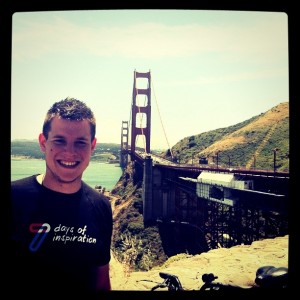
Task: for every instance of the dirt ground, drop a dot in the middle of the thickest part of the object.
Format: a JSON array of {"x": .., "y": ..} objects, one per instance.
[{"x": 236, "y": 265}]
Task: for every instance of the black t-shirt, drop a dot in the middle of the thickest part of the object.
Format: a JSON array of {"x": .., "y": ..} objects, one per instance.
[{"x": 58, "y": 239}]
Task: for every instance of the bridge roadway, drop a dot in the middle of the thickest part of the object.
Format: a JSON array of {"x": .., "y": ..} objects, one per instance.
[
  {"x": 165, "y": 163},
  {"x": 266, "y": 184},
  {"x": 172, "y": 192}
]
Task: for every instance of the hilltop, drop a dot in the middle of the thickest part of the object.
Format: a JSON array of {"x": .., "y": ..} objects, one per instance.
[{"x": 249, "y": 144}]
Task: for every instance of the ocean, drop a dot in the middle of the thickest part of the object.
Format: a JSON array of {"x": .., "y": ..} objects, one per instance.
[{"x": 101, "y": 174}]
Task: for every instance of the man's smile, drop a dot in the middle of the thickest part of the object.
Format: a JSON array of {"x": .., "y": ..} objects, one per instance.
[{"x": 68, "y": 164}]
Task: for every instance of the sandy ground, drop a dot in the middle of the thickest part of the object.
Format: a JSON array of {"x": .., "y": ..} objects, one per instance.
[{"x": 236, "y": 265}]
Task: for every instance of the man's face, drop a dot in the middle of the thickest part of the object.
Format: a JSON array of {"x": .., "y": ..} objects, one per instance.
[{"x": 68, "y": 149}]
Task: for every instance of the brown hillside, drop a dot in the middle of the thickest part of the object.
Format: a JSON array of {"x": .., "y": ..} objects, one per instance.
[{"x": 270, "y": 118}]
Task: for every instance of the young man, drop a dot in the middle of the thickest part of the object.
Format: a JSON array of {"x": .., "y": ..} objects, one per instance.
[{"x": 61, "y": 227}]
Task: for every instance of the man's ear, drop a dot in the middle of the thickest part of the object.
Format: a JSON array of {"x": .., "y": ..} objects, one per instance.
[
  {"x": 42, "y": 142},
  {"x": 94, "y": 143}
]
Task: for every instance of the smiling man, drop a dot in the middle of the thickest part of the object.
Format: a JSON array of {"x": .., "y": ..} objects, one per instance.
[{"x": 61, "y": 227}]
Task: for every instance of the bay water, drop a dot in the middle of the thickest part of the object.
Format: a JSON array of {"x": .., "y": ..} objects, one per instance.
[{"x": 101, "y": 174}]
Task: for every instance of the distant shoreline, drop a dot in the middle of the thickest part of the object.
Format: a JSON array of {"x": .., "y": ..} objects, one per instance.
[
  {"x": 24, "y": 157},
  {"x": 21, "y": 157}
]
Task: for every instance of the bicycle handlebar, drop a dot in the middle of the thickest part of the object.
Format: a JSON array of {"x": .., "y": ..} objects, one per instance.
[
  {"x": 266, "y": 277},
  {"x": 171, "y": 281}
]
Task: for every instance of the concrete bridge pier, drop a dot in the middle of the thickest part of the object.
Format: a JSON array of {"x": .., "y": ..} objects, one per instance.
[
  {"x": 158, "y": 194},
  {"x": 147, "y": 189}
]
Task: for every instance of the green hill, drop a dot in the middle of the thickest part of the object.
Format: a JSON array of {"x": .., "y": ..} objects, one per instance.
[{"x": 249, "y": 144}]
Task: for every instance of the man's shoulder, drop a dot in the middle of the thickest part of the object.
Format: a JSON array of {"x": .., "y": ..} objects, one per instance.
[
  {"x": 24, "y": 188},
  {"x": 26, "y": 181},
  {"x": 93, "y": 192}
]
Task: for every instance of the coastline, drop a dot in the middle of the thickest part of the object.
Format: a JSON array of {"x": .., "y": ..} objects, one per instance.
[{"x": 21, "y": 157}]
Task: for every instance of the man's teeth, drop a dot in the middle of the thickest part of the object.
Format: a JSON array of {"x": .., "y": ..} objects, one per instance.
[{"x": 68, "y": 163}]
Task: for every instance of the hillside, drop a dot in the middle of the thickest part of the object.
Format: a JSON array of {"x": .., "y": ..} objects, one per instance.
[{"x": 249, "y": 144}]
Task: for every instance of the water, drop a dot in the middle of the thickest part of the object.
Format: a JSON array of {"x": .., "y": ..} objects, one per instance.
[{"x": 105, "y": 175}]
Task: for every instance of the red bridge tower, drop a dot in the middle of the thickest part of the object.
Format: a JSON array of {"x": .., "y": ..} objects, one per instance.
[{"x": 141, "y": 112}]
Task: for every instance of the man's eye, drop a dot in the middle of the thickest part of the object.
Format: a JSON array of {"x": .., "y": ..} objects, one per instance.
[
  {"x": 59, "y": 142},
  {"x": 81, "y": 143}
]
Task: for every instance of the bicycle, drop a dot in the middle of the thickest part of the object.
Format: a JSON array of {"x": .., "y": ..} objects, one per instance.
[{"x": 266, "y": 277}]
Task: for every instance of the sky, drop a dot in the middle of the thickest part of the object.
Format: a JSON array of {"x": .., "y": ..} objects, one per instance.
[{"x": 209, "y": 69}]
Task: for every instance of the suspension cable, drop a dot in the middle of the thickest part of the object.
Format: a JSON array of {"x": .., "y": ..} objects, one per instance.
[{"x": 161, "y": 120}]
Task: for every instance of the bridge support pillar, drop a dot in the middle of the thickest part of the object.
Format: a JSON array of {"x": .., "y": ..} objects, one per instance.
[
  {"x": 124, "y": 145},
  {"x": 147, "y": 190}
]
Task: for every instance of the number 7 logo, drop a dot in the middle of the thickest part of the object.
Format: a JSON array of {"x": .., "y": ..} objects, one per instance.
[{"x": 41, "y": 232}]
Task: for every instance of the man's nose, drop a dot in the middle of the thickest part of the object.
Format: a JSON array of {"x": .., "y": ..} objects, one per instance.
[{"x": 70, "y": 148}]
